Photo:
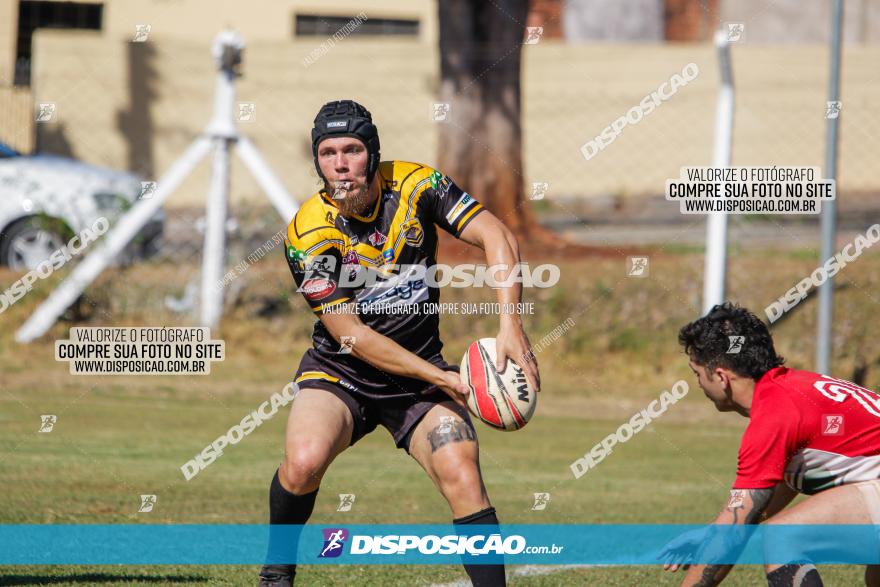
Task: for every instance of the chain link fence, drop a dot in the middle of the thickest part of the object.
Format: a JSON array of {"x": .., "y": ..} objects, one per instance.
[{"x": 137, "y": 106}]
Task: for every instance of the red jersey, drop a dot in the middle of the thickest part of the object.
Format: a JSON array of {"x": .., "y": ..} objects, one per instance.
[{"x": 812, "y": 431}]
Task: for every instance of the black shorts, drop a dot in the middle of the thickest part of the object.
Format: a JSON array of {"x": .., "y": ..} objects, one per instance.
[{"x": 399, "y": 413}]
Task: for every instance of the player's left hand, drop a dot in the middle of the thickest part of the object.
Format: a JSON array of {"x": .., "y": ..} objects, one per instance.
[
  {"x": 680, "y": 551},
  {"x": 512, "y": 343}
]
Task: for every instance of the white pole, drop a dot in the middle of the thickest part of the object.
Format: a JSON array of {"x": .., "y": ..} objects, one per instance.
[
  {"x": 829, "y": 209},
  {"x": 270, "y": 183},
  {"x": 104, "y": 252},
  {"x": 227, "y": 52},
  {"x": 715, "y": 268},
  {"x": 214, "y": 252}
]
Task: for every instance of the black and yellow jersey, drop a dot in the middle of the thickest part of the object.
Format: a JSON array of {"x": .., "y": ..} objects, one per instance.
[{"x": 372, "y": 261}]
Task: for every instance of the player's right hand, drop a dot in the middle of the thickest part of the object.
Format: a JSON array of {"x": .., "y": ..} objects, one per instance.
[{"x": 451, "y": 384}]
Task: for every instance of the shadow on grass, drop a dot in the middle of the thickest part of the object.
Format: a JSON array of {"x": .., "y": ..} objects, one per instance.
[{"x": 97, "y": 579}]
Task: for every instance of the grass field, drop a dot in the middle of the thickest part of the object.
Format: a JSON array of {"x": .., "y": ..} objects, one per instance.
[{"x": 119, "y": 437}]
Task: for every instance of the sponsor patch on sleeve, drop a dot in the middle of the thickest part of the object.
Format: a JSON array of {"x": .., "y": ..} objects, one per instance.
[
  {"x": 317, "y": 289},
  {"x": 464, "y": 203}
]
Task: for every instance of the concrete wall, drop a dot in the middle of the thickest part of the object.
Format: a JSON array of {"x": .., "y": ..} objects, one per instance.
[
  {"x": 797, "y": 21},
  {"x": 613, "y": 20}
]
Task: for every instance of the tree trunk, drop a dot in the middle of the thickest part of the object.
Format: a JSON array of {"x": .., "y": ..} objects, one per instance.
[{"x": 481, "y": 139}]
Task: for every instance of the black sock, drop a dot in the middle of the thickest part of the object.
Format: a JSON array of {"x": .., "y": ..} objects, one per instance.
[
  {"x": 287, "y": 508},
  {"x": 795, "y": 575},
  {"x": 483, "y": 575}
]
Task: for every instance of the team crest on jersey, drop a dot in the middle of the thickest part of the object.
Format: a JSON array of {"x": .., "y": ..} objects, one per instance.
[
  {"x": 377, "y": 238},
  {"x": 350, "y": 257},
  {"x": 351, "y": 263},
  {"x": 412, "y": 232},
  {"x": 440, "y": 183}
]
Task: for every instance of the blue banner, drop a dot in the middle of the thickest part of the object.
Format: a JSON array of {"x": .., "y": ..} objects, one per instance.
[{"x": 436, "y": 544}]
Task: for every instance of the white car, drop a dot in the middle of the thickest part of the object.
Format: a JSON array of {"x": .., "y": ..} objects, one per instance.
[{"x": 45, "y": 200}]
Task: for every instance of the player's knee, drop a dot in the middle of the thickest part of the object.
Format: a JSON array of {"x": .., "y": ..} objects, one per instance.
[
  {"x": 303, "y": 468},
  {"x": 459, "y": 479}
]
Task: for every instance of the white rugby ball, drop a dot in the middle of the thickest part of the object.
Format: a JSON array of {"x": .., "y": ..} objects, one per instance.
[{"x": 505, "y": 401}]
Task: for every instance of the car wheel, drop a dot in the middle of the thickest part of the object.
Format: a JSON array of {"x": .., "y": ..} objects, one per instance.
[{"x": 29, "y": 242}]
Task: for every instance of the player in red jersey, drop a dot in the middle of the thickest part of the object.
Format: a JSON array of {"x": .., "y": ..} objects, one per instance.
[{"x": 807, "y": 433}]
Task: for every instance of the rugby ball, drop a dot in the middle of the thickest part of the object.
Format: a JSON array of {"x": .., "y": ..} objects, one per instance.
[{"x": 505, "y": 400}]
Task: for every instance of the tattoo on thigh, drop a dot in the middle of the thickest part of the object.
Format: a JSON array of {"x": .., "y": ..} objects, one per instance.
[{"x": 450, "y": 430}]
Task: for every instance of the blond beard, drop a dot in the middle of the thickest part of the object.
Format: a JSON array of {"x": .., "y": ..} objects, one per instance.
[{"x": 356, "y": 201}]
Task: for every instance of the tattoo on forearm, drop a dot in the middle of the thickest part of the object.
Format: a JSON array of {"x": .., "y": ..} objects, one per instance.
[
  {"x": 709, "y": 576},
  {"x": 795, "y": 575},
  {"x": 737, "y": 504},
  {"x": 450, "y": 430}
]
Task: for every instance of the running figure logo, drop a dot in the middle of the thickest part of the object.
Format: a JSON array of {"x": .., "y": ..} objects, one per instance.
[
  {"x": 334, "y": 540},
  {"x": 47, "y": 422},
  {"x": 541, "y": 501},
  {"x": 736, "y": 344},
  {"x": 637, "y": 267},
  {"x": 147, "y": 503},
  {"x": 832, "y": 425},
  {"x": 346, "y": 500}
]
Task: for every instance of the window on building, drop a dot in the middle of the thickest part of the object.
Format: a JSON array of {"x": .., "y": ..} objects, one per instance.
[
  {"x": 37, "y": 14},
  {"x": 325, "y": 26}
]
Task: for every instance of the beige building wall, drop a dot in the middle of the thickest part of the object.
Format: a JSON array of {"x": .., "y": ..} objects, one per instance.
[
  {"x": 138, "y": 105},
  {"x": 570, "y": 93},
  {"x": 197, "y": 21},
  {"x": 8, "y": 39}
]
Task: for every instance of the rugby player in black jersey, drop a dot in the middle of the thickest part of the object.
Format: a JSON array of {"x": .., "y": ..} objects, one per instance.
[{"x": 388, "y": 369}]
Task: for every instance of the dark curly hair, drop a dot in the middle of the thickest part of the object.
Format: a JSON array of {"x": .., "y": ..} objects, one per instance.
[{"x": 707, "y": 341}]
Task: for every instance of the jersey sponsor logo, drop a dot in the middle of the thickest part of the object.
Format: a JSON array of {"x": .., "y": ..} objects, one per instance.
[
  {"x": 294, "y": 255},
  {"x": 412, "y": 232},
  {"x": 329, "y": 217},
  {"x": 317, "y": 289},
  {"x": 347, "y": 385},
  {"x": 388, "y": 255},
  {"x": 377, "y": 238},
  {"x": 406, "y": 288},
  {"x": 408, "y": 293},
  {"x": 440, "y": 184},
  {"x": 463, "y": 203}
]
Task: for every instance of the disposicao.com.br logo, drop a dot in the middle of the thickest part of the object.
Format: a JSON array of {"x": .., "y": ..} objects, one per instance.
[{"x": 431, "y": 544}]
